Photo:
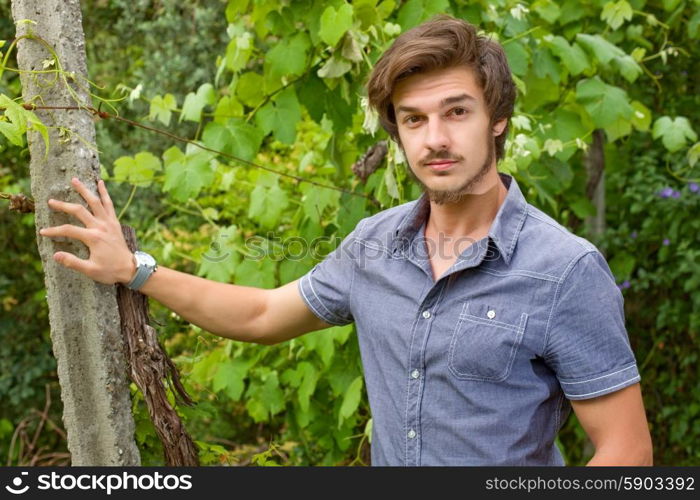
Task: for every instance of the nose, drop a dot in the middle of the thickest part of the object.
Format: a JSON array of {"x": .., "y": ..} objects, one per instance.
[{"x": 436, "y": 135}]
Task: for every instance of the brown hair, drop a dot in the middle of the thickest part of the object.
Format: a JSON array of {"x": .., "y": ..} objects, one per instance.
[{"x": 444, "y": 42}]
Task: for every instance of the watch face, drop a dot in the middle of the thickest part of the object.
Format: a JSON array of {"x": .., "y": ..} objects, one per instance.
[{"x": 146, "y": 259}]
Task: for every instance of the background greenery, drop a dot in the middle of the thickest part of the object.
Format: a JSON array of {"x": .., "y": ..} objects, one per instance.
[{"x": 281, "y": 84}]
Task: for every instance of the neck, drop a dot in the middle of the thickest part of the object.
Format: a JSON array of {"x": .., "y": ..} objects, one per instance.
[{"x": 472, "y": 215}]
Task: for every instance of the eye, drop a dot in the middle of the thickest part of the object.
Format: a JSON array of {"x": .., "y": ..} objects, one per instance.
[
  {"x": 412, "y": 119},
  {"x": 459, "y": 111}
]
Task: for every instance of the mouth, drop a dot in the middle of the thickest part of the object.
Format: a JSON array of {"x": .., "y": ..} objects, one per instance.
[{"x": 439, "y": 165}]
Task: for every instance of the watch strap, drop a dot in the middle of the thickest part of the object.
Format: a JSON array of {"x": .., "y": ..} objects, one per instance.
[{"x": 143, "y": 272}]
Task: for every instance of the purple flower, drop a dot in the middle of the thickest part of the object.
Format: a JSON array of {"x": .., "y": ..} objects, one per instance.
[
  {"x": 676, "y": 194},
  {"x": 666, "y": 192},
  {"x": 693, "y": 187},
  {"x": 666, "y": 242},
  {"x": 626, "y": 284},
  {"x": 633, "y": 235}
]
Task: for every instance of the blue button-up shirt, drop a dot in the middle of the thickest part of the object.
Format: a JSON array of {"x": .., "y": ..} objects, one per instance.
[{"x": 478, "y": 367}]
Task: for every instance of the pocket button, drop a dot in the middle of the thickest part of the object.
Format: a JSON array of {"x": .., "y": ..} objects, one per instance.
[{"x": 491, "y": 314}]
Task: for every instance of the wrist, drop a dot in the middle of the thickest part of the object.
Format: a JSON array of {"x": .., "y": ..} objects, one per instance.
[{"x": 128, "y": 270}]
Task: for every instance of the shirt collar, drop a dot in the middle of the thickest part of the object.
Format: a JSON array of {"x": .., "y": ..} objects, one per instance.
[{"x": 504, "y": 230}]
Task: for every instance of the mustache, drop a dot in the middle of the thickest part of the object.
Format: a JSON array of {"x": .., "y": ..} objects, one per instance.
[{"x": 440, "y": 155}]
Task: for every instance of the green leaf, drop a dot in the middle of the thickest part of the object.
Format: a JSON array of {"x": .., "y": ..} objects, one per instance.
[
  {"x": 621, "y": 127},
  {"x": 674, "y": 133},
  {"x": 221, "y": 259},
  {"x": 604, "y": 103},
  {"x": 316, "y": 199},
  {"x": 334, "y": 23},
  {"x": 544, "y": 65},
  {"x": 392, "y": 188},
  {"x": 599, "y": 47},
  {"x": 217, "y": 136},
  {"x": 194, "y": 103},
  {"x": 694, "y": 154},
  {"x": 641, "y": 118},
  {"x": 246, "y": 139},
  {"x": 518, "y": 57},
  {"x": 287, "y": 57},
  {"x": 13, "y": 133},
  {"x": 16, "y": 126},
  {"x": 227, "y": 107},
  {"x": 334, "y": 67},
  {"x": 235, "y": 9},
  {"x": 267, "y": 204},
  {"x": 229, "y": 378},
  {"x": 138, "y": 170},
  {"x": 259, "y": 273},
  {"x": 622, "y": 265},
  {"x": 265, "y": 399},
  {"x": 280, "y": 116},
  {"x": 186, "y": 175},
  {"x": 250, "y": 89},
  {"x": 582, "y": 207},
  {"x": 628, "y": 67},
  {"x": 351, "y": 400},
  {"x": 238, "y": 51},
  {"x": 308, "y": 384},
  {"x": 162, "y": 108},
  {"x": 415, "y": 11},
  {"x": 616, "y": 13},
  {"x": 236, "y": 138},
  {"x": 547, "y": 10},
  {"x": 572, "y": 56}
]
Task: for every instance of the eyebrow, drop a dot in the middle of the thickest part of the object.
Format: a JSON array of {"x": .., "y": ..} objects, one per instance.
[{"x": 445, "y": 102}]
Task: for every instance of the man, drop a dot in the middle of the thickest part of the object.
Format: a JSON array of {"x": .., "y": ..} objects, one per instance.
[{"x": 480, "y": 319}]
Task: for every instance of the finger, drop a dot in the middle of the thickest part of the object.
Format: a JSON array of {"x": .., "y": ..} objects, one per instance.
[
  {"x": 92, "y": 200},
  {"x": 74, "y": 209},
  {"x": 72, "y": 262},
  {"x": 69, "y": 231},
  {"x": 106, "y": 199}
]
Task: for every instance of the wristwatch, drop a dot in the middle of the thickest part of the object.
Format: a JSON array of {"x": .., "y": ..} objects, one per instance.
[{"x": 145, "y": 266}]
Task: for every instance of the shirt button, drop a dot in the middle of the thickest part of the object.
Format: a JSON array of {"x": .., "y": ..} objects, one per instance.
[
  {"x": 491, "y": 314},
  {"x": 411, "y": 434},
  {"x": 426, "y": 314},
  {"x": 415, "y": 374}
]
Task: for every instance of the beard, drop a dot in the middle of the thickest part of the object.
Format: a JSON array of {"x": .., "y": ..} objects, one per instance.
[{"x": 455, "y": 195}]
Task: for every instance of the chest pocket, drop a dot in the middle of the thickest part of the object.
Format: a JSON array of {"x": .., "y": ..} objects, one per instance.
[{"x": 485, "y": 342}]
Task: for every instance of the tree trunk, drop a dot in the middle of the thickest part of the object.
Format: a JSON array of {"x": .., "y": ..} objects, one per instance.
[
  {"x": 85, "y": 326},
  {"x": 595, "y": 189}
]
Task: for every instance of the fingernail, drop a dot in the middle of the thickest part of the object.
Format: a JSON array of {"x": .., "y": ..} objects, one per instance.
[{"x": 50, "y": 201}]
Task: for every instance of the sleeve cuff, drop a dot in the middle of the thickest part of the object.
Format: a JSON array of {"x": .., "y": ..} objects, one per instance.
[
  {"x": 306, "y": 290},
  {"x": 601, "y": 384}
]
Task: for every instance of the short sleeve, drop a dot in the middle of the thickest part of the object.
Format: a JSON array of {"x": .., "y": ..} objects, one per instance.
[
  {"x": 326, "y": 288},
  {"x": 587, "y": 343}
]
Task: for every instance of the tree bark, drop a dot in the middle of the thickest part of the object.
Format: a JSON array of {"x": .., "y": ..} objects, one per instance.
[
  {"x": 595, "y": 188},
  {"x": 83, "y": 314}
]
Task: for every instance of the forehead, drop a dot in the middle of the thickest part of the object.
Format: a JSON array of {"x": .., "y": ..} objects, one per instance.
[{"x": 427, "y": 89}]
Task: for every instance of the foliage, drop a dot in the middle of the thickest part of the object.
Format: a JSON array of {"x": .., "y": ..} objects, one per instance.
[{"x": 286, "y": 94}]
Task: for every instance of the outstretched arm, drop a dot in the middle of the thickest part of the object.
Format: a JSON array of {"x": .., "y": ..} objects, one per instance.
[{"x": 237, "y": 312}]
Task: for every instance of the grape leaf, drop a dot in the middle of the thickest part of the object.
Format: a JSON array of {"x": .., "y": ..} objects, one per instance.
[
  {"x": 280, "y": 116},
  {"x": 334, "y": 23}
]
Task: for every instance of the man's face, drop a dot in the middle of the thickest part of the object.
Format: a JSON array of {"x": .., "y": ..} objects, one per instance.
[{"x": 445, "y": 132}]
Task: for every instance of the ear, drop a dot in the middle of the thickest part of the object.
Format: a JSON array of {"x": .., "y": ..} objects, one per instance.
[{"x": 499, "y": 127}]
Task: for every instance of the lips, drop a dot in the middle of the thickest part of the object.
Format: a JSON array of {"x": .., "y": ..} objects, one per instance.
[{"x": 440, "y": 164}]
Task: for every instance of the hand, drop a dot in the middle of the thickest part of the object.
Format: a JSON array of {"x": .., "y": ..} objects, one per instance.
[{"x": 110, "y": 260}]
